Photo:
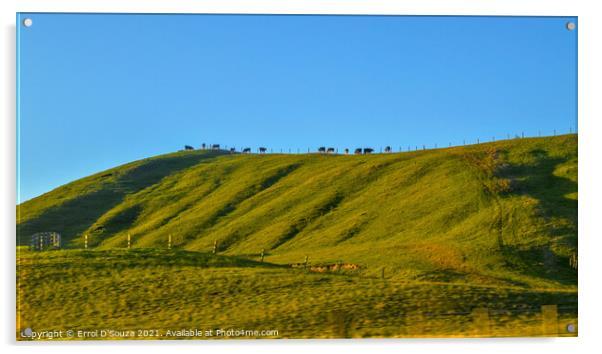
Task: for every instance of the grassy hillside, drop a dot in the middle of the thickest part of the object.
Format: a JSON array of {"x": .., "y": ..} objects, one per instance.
[
  {"x": 387, "y": 237},
  {"x": 504, "y": 211}
]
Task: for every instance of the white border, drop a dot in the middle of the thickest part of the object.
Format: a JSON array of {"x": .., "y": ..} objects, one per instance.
[{"x": 590, "y": 25}]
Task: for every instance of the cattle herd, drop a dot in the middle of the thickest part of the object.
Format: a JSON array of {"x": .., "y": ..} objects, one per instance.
[{"x": 263, "y": 150}]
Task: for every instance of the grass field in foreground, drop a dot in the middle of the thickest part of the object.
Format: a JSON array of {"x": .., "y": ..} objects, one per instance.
[{"x": 173, "y": 290}]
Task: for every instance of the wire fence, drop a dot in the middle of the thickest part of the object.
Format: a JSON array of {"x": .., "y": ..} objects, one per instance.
[{"x": 381, "y": 149}]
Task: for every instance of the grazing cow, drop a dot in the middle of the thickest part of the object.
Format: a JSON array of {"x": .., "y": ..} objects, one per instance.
[
  {"x": 358, "y": 151},
  {"x": 262, "y": 150},
  {"x": 246, "y": 150},
  {"x": 232, "y": 149},
  {"x": 322, "y": 149},
  {"x": 388, "y": 149},
  {"x": 330, "y": 151},
  {"x": 346, "y": 151},
  {"x": 368, "y": 150},
  {"x": 188, "y": 147},
  {"x": 215, "y": 147}
]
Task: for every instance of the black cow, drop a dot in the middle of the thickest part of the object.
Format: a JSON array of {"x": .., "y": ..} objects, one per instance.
[
  {"x": 330, "y": 151},
  {"x": 388, "y": 149},
  {"x": 368, "y": 150},
  {"x": 203, "y": 146},
  {"x": 358, "y": 151},
  {"x": 262, "y": 150},
  {"x": 188, "y": 147},
  {"x": 232, "y": 149},
  {"x": 322, "y": 149},
  {"x": 246, "y": 150},
  {"x": 215, "y": 147},
  {"x": 346, "y": 151}
]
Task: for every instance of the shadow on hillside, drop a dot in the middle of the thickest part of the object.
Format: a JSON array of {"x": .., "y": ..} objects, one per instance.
[
  {"x": 538, "y": 181},
  {"x": 76, "y": 215},
  {"x": 141, "y": 257}
]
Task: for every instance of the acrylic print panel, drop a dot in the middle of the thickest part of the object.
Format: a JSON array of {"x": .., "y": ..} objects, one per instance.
[{"x": 260, "y": 176}]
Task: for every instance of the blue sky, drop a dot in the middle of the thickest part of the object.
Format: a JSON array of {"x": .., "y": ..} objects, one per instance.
[{"x": 96, "y": 91}]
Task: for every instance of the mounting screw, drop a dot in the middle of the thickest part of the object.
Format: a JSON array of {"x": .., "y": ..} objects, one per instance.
[
  {"x": 27, "y": 22},
  {"x": 570, "y": 26}
]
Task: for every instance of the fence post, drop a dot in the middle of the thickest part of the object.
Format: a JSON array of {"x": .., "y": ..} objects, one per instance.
[
  {"x": 215, "y": 247},
  {"x": 86, "y": 241},
  {"x": 129, "y": 241},
  {"x": 480, "y": 320},
  {"x": 549, "y": 316},
  {"x": 306, "y": 260},
  {"x": 573, "y": 262},
  {"x": 169, "y": 242},
  {"x": 262, "y": 253}
]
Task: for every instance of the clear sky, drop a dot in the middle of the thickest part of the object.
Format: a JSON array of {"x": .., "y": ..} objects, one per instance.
[{"x": 96, "y": 91}]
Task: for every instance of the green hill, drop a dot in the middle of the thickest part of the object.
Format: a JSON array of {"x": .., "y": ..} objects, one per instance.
[
  {"x": 494, "y": 213},
  {"x": 402, "y": 244}
]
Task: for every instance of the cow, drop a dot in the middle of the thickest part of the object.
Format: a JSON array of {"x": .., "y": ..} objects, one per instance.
[
  {"x": 246, "y": 150},
  {"x": 203, "y": 146},
  {"x": 321, "y": 149},
  {"x": 330, "y": 151},
  {"x": 262, "y": 150},
  {"x": 232, "y": 150},
  {"x": 368, "y": 150},
  {"x": 358, "y": 151},
  {"x": 388, "y": 149},
  {"x": 215, "y": 147},
  {"x": 346, "y": 151},
  {"x": 188, "y": 147}
]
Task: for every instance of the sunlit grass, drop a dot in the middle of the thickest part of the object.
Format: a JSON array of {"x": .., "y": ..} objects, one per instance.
[{"x": 432, "y": 233}]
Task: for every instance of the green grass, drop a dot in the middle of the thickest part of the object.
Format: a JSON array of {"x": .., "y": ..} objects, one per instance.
[
  {"x": 171, "y": 290},
  {"x": 442, "y": 223}
]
